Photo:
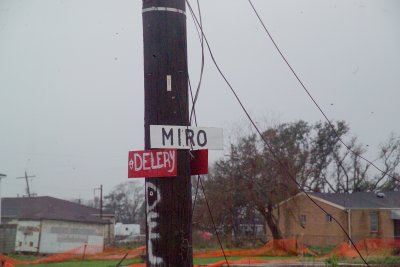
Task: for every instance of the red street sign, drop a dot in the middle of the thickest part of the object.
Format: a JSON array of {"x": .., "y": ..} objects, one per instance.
[
  {"x": 199, "y": 162},
  {"x": 152, "y": 163}
]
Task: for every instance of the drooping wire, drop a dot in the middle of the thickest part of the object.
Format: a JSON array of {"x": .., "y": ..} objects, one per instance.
[
  {"x": 313, "y": 99},
  {"x": 194, "y": 99},
  {"x": 269, "y": 146},
  {"x": 201, "y": 38},
  {"x": 212, "y": 220},
  {"x": 193, "y": 113}
]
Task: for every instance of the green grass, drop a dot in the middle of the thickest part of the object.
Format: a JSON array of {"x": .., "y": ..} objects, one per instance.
[
  {"x": 89, "y": 263},
  {"x": 376, "y": 260},
  {"x": 85, "y": 264},
  {"x": 380, "y": 261},
  {"x": 23, "y": 257},
  {"x": 278, "y": 258},
  {"x": 322, "y": 250},
  {"x": 204, "y": 261},
  {"x": 392, "y": 261}
]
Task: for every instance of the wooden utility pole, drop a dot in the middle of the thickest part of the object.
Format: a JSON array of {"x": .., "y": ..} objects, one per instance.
[
  {"x": 1, "y": 177},
  {"x": 168, "y": 199},
  {"x": 101, "y": 199},
  {"x": 28, "y": 192}
]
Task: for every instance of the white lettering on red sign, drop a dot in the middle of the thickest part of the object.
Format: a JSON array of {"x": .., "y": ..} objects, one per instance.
[{"x": 152, "y": 163}]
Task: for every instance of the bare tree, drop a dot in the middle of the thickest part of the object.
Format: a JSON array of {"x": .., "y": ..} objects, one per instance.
[
  {"x": 350, "y": 173},
  {"x": 126, "y": 201},
  {"x": 389, "y": 179},
  {"x": 261, "y": 172}
]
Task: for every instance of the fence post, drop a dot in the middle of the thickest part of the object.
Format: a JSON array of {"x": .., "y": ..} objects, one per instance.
[
  {"x": 84, "y": 251},
  {"x": 302, "y": 245}
]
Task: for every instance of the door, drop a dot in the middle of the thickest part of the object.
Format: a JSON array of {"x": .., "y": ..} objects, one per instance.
[
  {"x": 396, "y": 229},
  {"x": 27, "y": 236}
]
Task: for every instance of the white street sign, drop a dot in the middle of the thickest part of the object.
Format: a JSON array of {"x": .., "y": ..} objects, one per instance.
[{"x": 186, "y": 137}]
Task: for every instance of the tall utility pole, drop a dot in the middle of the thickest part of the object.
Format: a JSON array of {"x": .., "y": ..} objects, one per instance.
[
  {"x": 101, "y": 199},
  {"x": 1, "y": 177},
  {"x": 168, "y": 199},
  {"x": 28, "y": 192}
]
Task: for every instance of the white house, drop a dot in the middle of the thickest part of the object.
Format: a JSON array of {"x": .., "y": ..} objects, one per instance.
[
  {"x": 124, "y": 230},
  {"x": 51, "y": 225}
]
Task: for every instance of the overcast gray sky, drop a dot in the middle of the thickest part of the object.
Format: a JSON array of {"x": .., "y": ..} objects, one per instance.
[{"x": 71, "y": 79}]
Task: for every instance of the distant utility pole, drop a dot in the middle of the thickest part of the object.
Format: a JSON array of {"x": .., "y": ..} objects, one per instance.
[
  {"x": 101, "y": 199},
  {"x": 28, "y": 192},
  {"x": 2, "y": 176},
  {"x": 168, "y": 199}
]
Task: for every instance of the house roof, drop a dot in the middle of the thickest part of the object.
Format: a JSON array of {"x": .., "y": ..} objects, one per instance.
[
  {"x": 50, "y": 208},
  {"x": 361, "y": 200}
]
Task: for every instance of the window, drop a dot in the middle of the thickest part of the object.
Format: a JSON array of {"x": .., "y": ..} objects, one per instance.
[
  {"x": 303, "y": 220},
  {"x": 328, "y": 218},
  {"x": 31, "y": 244},
  {"x": 20, "y": 243},
  {"x": 374, "y": 221}
]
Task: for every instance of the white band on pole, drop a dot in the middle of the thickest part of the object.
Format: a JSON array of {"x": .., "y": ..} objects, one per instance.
[{"x": 169, "y": 9}]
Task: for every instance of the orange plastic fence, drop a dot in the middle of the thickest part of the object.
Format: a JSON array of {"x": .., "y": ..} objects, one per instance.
[
  {"x": 88, "y": 252},
  {"x": 272, "y": 248},
  {"x": 7, "y": 261},
  {"x": 378, "y": 246},
  {"x": 367, "y": 247},
  {"x": 343, "y": 250},
  {"x": 284, "y": 247},
  {"x": 7, "y": 264}
]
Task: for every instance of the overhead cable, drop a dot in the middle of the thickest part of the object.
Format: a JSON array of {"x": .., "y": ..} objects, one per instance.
[{"x": 269, "y": 146}]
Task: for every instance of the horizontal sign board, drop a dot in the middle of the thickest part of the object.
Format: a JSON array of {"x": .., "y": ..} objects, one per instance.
[
  {"x": 152, "y": 163},
  {"x": 186, "y": 137}
]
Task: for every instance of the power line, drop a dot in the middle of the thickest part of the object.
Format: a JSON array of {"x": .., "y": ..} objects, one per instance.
[
  {"x": 201, "y": 38},
  {"x": 212, "y": 220},
  {"x": 313, "y": 99},
  {"x": 269, "y": 146},
  {"x": 193, "y": 113}
]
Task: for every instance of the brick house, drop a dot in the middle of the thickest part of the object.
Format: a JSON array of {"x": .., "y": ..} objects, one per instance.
[{"x": 362, "y": 214}]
